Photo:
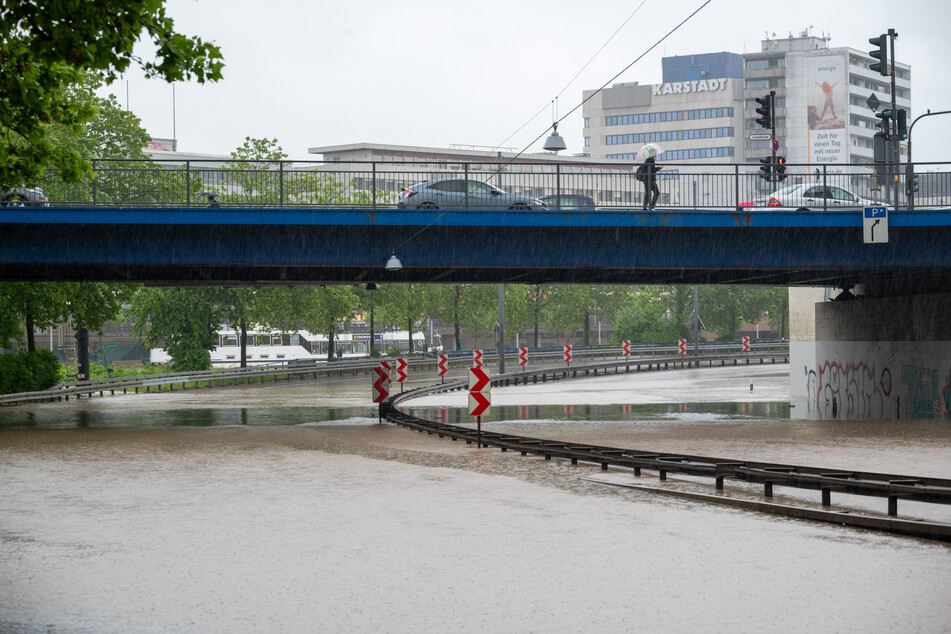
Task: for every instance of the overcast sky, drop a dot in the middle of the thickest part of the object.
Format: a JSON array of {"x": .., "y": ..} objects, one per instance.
[{"x": 412, "y": 72}]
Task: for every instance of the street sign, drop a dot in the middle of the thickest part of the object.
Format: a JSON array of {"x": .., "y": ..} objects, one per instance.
[
  {"x": 380, "y": 377},
  {"x": 626, "y": 348},
  {"x": 477, "y": 358},
  {"x": 875, "y": 225},
  {"x": 380, "y": 393},
  {"x": 523, "y": 356},
  {"x": 478, "y": 403},
  {"x": 746, "y": 343},
  {"x": 775, "y": 145},
  {"x": 110, "y": 345},
  {"x": 872, "y": 102},
  {"x": 400, "y": 370},
  {"x": 760, "y": 137},
  {"x": 567, "y": 355},
  {"x": 683, "y": 346},
  {"x": 443, "y": 360},
  {"x": 479, "y": 380}
]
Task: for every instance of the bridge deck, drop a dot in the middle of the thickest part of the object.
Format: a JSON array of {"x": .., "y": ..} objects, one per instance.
[{"x": 261, "y": 246}]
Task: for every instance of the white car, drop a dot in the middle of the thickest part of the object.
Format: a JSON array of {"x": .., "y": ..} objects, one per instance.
[
  {"x": 23, "y": 197},
  {"x": 814, "y": 197}
]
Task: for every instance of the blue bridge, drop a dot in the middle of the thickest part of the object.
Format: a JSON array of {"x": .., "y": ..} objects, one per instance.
[{"x": 239, "y": 246}]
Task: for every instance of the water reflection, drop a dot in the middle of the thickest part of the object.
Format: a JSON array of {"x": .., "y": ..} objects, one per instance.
[{"x": 778, "y": 410}]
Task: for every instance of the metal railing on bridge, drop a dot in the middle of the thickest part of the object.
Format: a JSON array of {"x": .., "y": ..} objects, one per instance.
[{"x": 379, "y": 184}]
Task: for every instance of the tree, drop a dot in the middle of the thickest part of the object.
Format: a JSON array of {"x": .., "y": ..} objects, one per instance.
[
  {"x": 470, "y": 306},
  {"x": 405, "y": 305},
  {"x": 725, "y": 308},
  {"x": 186, "y": 320},
  {"x": 44, "y": 49},
  {"x": 320, "y": 309},
  {"x": 645, "y": 317}
]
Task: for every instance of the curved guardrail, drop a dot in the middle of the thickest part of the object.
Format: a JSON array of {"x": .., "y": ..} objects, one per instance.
[{"x": 889, "y": 486}]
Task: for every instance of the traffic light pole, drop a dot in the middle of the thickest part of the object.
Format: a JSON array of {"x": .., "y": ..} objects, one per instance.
[
  {"x": 772, "y": 138},
  {"x": 896, "y": 152},
  {"x": 910, "y": 171}
]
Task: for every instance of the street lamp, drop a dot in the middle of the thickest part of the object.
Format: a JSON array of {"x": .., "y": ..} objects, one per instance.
[
  {"x": 394, "y": 264},
  {"x": 555, "y": 143}
]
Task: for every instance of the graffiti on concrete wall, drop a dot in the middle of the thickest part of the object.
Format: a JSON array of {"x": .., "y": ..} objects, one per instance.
[
  {"x": 853, "y": 390},
  {"x": 860, "y": 390},
  {"x": 927, "y": 395}
]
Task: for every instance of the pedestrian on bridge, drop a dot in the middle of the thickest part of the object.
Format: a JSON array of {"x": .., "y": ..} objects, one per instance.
[
  {"x": 213, "y": 201},
  {"x": 647, "y": 174}
]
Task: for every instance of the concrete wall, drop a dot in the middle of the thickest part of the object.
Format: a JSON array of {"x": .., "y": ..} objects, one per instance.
[{"x": 875, "y": 358}]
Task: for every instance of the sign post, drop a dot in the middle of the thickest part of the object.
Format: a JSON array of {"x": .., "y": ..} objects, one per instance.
[
  {"x": 625, "y": 348},
  {"x": 746, "y": 343},
  {"x": 401, "y": 372},
  {"x": 875, "y": 225},
  {"x": 523, "y": 357},
  {"x": 682, "y": 346},
  {"x": 567, "y": 354},
  {"x": 442, "y": 365},
  {"x": 480, "y": 393}
]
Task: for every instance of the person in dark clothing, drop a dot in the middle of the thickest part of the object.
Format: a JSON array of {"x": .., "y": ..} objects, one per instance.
[
  {"x": 648, "y": 171},
  {"x": 213, "y": 201}
]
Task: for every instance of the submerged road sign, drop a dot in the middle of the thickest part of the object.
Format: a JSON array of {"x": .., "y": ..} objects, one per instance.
[
  {"x": 626, "y": 348},
  {"x": 442, "y": 365}
]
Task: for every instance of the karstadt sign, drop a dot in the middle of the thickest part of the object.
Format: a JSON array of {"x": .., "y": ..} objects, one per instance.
[{"x": 686, "y": 87}]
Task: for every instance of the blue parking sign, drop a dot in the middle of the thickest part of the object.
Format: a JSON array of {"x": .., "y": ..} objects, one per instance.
[{"x": 876, "y": 212}]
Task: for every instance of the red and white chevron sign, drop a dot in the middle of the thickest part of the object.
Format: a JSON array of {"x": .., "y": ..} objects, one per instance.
[
  {"x": 478, "y": 403},
  {"x": 683, "y": 346},
  {"x": 625, "y": 348},
  {"x": 387, "y": 368},
  {"x": 523, "y": 356},
  {"x": 567, "y": 353},
  {"x": 380, "y": 393},
  {"x": 746, "y": 343},
  {"x": 442, "y": 365},
  {"x": 477, "y": 358},
  {"x": 400, "y": 370},
  {"x": 479, "y": 380},
  {"x": 380, "y": 377}
]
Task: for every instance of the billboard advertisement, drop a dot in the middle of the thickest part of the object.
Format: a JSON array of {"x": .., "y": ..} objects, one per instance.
[{"x": 827, "y": 110}]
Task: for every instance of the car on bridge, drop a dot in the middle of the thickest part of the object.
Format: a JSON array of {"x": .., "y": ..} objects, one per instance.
[
  {"x": 23, "y": 197},
  {"x": 811, "y": 197},
  {"x": 569, "y": 202},
  {"x": 462, "y": 193}
]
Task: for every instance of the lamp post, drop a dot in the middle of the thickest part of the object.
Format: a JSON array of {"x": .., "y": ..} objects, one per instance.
[{"x": 911, "y": 167}]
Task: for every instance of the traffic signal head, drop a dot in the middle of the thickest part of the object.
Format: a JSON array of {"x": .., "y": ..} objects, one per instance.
[
  {"x": 780, "y": 168},
  {"x": 883, "y": 117},
  {"x": 766, "y": 168},
  {"x": 881, "y": 54},
  {"x": 765, "y": 111},
  {"x": 902, "y": 124}
]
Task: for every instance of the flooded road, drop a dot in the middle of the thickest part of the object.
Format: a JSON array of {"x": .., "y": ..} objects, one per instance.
[{"x": 289, "y": 508}]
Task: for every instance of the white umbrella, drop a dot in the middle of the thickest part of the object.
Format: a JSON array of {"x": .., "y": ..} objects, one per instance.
[{"x": 649, "y": 150}]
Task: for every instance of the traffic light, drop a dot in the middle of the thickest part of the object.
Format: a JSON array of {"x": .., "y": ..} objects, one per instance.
[
  {"x": 911, "y": 184},
  {"x": 765, "y": 111},
  {"x": 884, "y": 116},
  {"x": 780, "y": 168},
  {"x": 766, "y": 168},
  {"x": 881, "y": 54},
  {"x": 902, "y": 124}
]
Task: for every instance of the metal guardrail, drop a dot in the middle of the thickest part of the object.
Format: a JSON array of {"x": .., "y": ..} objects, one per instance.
[
  {"x": 889, "y": 486},
  {"x": 378, "y": 184},
  {"x": 340, "y": 367}
]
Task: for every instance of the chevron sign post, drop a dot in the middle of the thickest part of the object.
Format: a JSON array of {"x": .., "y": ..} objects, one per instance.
[
  {"x": 567, "y": 356},
  {"x": 625, "y": 348},
  {"x": 523, "y": 357},
  {"x": 401, "y": 372},
  {"x": 477, "y": 358},
  {"x": 380, "y": 380},
  {"x": 480, "y": 392},
  {"x": 443, "y": 367},
  {"x": 746, "y": 343},
  {"x": 683, "y": 346}
]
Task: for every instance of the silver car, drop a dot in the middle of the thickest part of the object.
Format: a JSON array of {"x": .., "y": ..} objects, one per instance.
[
  {"x": 810, "y": 197},
  {"x": 460, "y": 193},
  {"x": 23, "y": 197}
]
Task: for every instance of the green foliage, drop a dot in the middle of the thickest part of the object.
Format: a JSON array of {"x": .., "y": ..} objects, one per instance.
[
  {"x": 321, "y": 309},
  {"x": 45, "y": 50},
  {"x": 185, "y": 320},
  {"x": 644, "y": 318},
  {"x": 28, "y": 371}
]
